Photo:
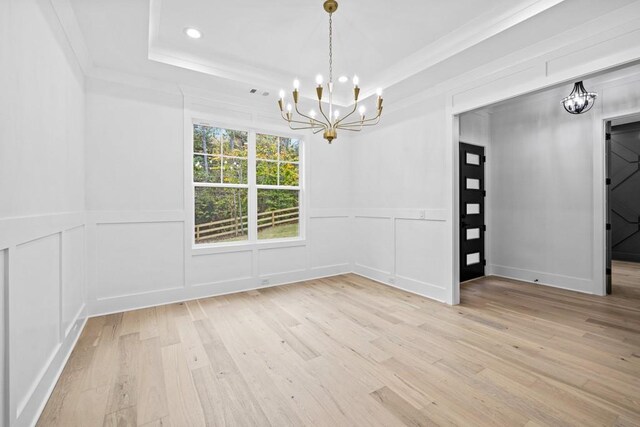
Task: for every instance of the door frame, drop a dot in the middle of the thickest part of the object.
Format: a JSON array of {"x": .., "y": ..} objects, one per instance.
[
  {"x": 600, "y": 207},
  {"x": 627, "y": 114}
]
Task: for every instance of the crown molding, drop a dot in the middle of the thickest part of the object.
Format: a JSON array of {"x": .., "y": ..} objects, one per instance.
[
  {"x": 473, "y": 33},
  {"x": 612, "y": 36}
]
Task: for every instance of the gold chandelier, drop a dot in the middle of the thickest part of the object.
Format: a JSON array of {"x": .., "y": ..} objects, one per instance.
[{"x": 331, "y": 122}]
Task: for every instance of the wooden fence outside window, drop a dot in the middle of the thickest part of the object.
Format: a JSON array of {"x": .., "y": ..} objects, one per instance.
[{"x": 228, "y": 228}]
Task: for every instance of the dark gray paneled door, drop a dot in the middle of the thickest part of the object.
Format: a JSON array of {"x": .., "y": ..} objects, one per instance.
[
  {"x": 608, "y": 201},
  {"x": 472, "y": 226}
]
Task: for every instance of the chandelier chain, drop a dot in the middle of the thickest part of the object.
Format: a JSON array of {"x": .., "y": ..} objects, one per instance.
[{"x": 330, "y": 48}]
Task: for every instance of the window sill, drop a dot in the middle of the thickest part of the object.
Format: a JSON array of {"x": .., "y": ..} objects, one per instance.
[{"x": 246, "y": 246}]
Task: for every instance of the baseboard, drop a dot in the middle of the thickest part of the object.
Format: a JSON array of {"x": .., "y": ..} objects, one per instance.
[
  {"x": 625, "y": 256},
  {"x": 423, "y": 289},
  {"x": 569, "y": 283},
  {"x": 204, "y": 290},
  {"x": 31, "y": 410}
]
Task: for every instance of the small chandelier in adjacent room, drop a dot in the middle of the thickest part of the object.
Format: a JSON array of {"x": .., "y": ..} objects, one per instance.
[
  {"x": 329, "y": 119},
  {"x": 579, "y": 100}
]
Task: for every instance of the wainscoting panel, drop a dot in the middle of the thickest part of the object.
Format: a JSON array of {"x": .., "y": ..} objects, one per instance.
[
  {"x": 134, "y": 258},
  {"x": 35, "y": 285},
  {"x": 42, "y": 304},
  {"x": 73, "y": 276},
  {"x": 419, "y": 254},
  {"x": 281, "y": 260},
  {"x": 222, "y": 267},
  {"x": 373, "y": 243},
  {"x": 330, "y": 241}
]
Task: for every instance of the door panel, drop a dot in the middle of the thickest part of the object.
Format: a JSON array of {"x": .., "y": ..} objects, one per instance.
[
  {"x": 472, "y": 226},
  {"x": 608, "y": 204}
]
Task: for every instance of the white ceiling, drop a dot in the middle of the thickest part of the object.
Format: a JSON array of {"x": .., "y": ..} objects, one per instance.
[
  {"x": 290, "y": 37},
  {"x": 266, "y": 44},
  {"x": 269, "y": 43}
]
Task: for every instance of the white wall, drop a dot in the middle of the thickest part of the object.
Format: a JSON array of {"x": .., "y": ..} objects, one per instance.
[
  {"x": 399, "y": 201},
  {"x": 542, "y": 169},
  {"x": 42, "y": 209},
  {"x": 139, "y": 206}
]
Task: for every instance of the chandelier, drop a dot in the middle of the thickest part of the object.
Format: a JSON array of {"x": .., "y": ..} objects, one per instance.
[
  {"x": 329, "y": 120},
  {"x": 579, "y": 100}
]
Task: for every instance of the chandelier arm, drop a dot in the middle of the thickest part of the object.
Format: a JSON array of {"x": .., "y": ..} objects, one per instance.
[
  {"x": 356, "y": 123},
  {"x": 355, "y": 107},
  {"x": 318, "y": 131},
  {"x": 352, "y": 129},
  {"x": 361, "y": 126},
  {"x": 313, "y": 121},
  {"x": 370, "y": 122},
  {"x": 319, "y": 124},
  {"x": 323, "y": 114},
  {"x": 304, "y": 128}
]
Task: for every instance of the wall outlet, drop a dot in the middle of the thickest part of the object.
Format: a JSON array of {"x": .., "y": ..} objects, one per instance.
[
  {"x": 392, "y": 280},
  {"x": 265, "y": 282},
  {"x": 422, "y": 214}
]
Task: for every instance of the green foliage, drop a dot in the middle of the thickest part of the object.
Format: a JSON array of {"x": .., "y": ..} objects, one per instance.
[
  {"x": 215, "y": 204},
  {"x": 235, "y": 171},
  {"x": 266, "y": 173},
  {"x": 267, "y": 147},
  {"x": 224, "y": 142},
  {"x": 278, "y": 153},
  {"x": 272, "y": 200},
  {"x": 206, "y": 168},
  {"x": 288, "y": 174}
]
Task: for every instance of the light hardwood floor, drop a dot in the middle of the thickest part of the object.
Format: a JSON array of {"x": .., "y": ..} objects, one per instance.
[{"x": 346, "y": 351}]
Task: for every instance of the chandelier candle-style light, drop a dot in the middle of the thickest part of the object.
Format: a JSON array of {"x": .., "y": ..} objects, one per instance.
[{"x": 329, "y": 121}]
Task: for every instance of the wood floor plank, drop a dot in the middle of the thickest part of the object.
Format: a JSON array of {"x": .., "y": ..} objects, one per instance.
[
  {"x": 402, "y": 409},
  {"x": 346, "y": 350},
  {"x": 183, "y": 403},
  {"x": 152, "y": 396},
  {"x": 126, "y": 417},
  {"x": 124, "y": 391}
]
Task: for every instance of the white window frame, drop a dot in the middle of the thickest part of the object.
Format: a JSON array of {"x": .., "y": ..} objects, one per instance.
[{"x": 252, "y": 238}]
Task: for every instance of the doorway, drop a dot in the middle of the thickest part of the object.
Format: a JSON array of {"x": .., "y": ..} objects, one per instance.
[
  {"x": 622, "y": 139},
  {"x": 472, "y": 211}
]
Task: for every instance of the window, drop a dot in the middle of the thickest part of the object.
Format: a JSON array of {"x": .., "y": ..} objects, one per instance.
[
  {"x": 225, "y": 193},
  {"x": 277, "y": 177}
]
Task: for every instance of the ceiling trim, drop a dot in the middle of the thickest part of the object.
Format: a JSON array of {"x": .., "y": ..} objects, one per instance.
[
  {"x": 472, "y": 33},
  {"x": 458, "y": 41},
  {"x": 251, "y": 76}
]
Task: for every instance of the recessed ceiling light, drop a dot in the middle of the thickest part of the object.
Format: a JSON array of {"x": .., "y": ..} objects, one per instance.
[
  {"x": 193, "y": 33},
  {"x": 343, "y": 79}
]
